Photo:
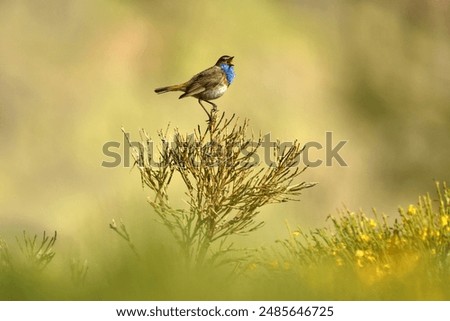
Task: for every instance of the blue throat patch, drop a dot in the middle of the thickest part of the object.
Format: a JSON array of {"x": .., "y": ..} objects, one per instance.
[{"x": 229, "y": 72}]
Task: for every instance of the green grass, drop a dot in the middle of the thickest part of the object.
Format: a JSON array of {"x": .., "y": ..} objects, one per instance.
[
  {"x": 357, "y": 257},
  {"x": 406, "y": 256}
]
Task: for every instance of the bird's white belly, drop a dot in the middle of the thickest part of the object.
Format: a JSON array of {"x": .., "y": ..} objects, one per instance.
[{"x": 215, "y": 92}]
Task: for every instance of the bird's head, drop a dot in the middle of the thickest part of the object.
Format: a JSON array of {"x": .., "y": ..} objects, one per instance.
[{"x": 225, "y": 60}]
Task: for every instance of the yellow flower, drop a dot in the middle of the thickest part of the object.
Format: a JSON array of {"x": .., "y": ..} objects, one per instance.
[
  {"x": 412, "y": 210},
  {"x": 371, "y": 258},
  {"x": 364, "y": 238},
  {"x": 295, "y": 233},
  {"x": 444, "y": 220},
  {"x": 424, "y": 234},
  {"x": 359, "y": 263},
  {"x": 274, "y": 264},
  {"x": 372, "y": 223},
  {"x": 359, "y": 253}
]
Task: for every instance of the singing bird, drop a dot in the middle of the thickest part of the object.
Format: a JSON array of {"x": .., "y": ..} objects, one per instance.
[{"x": 207, "y": 85}]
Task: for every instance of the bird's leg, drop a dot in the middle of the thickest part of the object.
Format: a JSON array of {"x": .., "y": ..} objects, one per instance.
[
  {"x": 213, "y": 105},
  {"x": 211, "y": 115},
  {"x": 207, "y": 113}
]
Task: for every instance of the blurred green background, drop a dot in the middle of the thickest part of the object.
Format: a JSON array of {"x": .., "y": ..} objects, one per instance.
[{"x": 73, "y": 72}]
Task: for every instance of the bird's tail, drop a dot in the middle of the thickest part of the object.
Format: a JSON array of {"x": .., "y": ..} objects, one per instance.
[{"x": 163, "y": 90}]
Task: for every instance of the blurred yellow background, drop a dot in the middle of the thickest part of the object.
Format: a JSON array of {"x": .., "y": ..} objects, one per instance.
[{"x": 73, "y": 72}]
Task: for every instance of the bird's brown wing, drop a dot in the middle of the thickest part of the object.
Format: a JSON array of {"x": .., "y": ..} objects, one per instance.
[{"x": 202, "y": 81}]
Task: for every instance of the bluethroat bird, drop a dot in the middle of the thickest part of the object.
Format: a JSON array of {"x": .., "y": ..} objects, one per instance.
[{"x": 207, "y": 85}]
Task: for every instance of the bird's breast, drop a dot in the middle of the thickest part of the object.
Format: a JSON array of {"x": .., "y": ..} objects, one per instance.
[{"x": 214, "y": 92}]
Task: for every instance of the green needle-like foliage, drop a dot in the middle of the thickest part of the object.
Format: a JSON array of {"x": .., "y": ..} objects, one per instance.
[{"x": 38, "y": 253}]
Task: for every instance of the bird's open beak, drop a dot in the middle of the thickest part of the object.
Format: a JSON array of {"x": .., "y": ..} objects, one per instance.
[{"x": 229, "y": 61}]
